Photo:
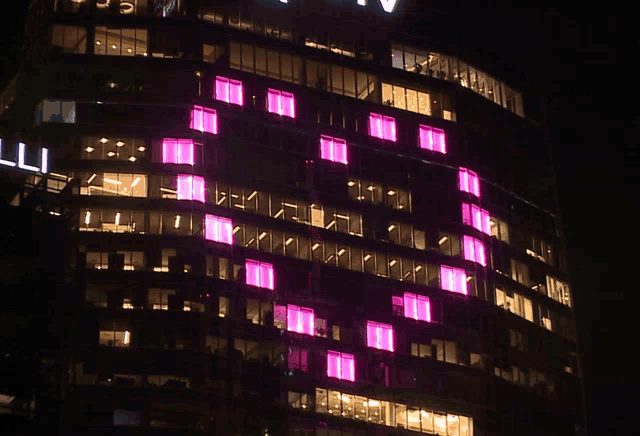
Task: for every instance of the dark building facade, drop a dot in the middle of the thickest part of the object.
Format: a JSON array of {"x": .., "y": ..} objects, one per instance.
[{"x": 302, "y": 218}]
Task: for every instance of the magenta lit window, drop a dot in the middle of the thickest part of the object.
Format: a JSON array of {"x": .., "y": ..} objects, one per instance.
[
  {"x": 281, "y": 103},
  {"x": 417, "y": 307},
  {"x": 382, "y": 127},
  {"x": 190, "y": 187},
  {"x": 474, "y": 250},
  {"x": 218, "y": 229},
  {"x": 333, "y": 149},
  {"x": 178, "y": 151},
  {"x": 476, "y": 217},
  {"x": 432, "y": 139},
  {"x": 260, "y": 274},
  {"x": 341, "y": 366},
  {"x": 380, "y": 336},
  {"x": 469, "y": 182},
  {"x": 229, "y": 91},
  {"x": 453, "y": 279},
  {"x": 204, "y": 120},
  {"x": 300, "y": 320}
]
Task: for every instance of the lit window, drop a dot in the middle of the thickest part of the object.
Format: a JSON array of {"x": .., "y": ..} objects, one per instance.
[
  {"x": 333, "y": 149},
  {"x": 453, "y": 279},
  {"x": 382, "y": 127},
  {"x": 474, "y": 250},
  {"x": 260, "y": 274},
  {"x": 229, "y": 91},
  {"x": 190, "y": 187},
  {"x": 380, "y": 336},
  {"x": 432, "y": 139},
  {"x": 281, "y": 103},
  {"x": 416, "y": 307},
  {"x": 204, "y": 120},
  {"x": 341, "y": 365},
  {"x": 469, "y": 182},
  {"x": 178, "y": 151},
  {"x": 218, "y": 229},
  {"x": 476, "y": 217},
  {"x": 300, "y": 320}
]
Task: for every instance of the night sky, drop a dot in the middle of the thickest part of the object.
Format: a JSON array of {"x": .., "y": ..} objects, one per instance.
[{"x": 593, "y": 121}]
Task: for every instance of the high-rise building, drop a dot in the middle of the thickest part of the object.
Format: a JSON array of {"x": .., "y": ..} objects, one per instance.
[{"x": 292, "y": 218}]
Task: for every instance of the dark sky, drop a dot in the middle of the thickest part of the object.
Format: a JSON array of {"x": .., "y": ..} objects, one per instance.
[{"x": 574, "y": 53}]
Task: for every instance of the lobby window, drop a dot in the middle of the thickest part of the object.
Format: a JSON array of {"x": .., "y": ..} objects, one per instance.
[
  {"x": 333, "y": 149},
  {"x": 453, "y": 279},
  {"x": 432, "y": 139},
  {"x": 300, "y": 320},
  {"x": 56, "y": 111},
  {"x": 191, "y": 187},
  {"x": 468, "y": 182},
  {"x": 120, "y": 42},
  {"x": 229, "y": 91},
  {"x": 69, "y": 39},
  {"x": 380, "y": 336},
  {"x": 260, "y": 274},
  {"x": 178, "y": 151},
  {"x": 218, "y": 229},
  {"x": 114, "y": 184},
  {"x": 341, "y": 366},
  {"x": 414, "y": 306},
  {"x": 204, "y": 119},
  {"x": 281, "y": 103},
  {"x": 474, "y": 250},
  {"x": 383, "y": 127},
  {"x": 476, "y": 217},
  {"x": 499, "y": 229},
  {"x": 298, "y": 359},
  {"x": 103, "y": 148}
]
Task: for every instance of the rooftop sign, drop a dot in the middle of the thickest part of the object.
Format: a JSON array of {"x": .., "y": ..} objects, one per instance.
[
  {"x": 43, "y": 167},
  {"x": 387, "y": 5}
]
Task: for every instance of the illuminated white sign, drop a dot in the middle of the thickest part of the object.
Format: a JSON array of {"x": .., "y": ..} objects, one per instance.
[
  {"x": 44, "y": 159},
  {"x": 387, "y": 5}
]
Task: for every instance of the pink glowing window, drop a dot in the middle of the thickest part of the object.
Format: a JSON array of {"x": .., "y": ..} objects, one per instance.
[
  {"x": 190, "y": 187},
  {"x": 341, "y": 365},
  {"x": 474, "y": 250},
  {"x": 453, "y": 279},
  {"x": 178, "y": 151},
  {"x": 281, "y": 103},
  {"x": 380, "y": 336},
  {"x": 218, "y": 229},
  {"x": 333, "y": 149},
  {"x": 382, "y": 127},
  {"x": 432, "y": 139},
  {"x": 204, "y": 120},
  {"x": 229, "y": 91},
  {"x": 476, "y": 217},
  {"x": 260, "y": 274},
  {"x": 417, "y": 307},
  {"x": 300, "y": 320},
  {"x": 469, "y": 182}
]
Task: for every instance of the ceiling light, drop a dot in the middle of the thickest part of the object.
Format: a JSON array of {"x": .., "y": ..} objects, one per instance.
[
  {"x": 289, "y": 241},
  {"x": 89, "y": 149},
  {"x": 418, "y": 268},
  {"x": 351, "y": 183},
  {"x": 132, "y": 158},
  {"x": 113, "y": 46},
  {"x": 391, "y": 227},
  {"x": 144, "y": 54},
  {"x": 177, "y": 222},
  {"x": 253, "y": 194},
  {"x": 393, "y": 262},
  {"x": 129, "y": 50},
  {"x": 141, "y": 148},
  {"x": 315, "y": 246},
  {"x": 135, "y": 182},
  {"x": 469, "y": 278},
  {"x": 117, "y": 218},
  {"x": 370, "y": 188},
  {"x": 98, "y": 42},
  {"x": 104, "y": 140},
  {"x": 341, "y": 252},
  {"x": 391, "y": 192},
  {"x": 87, "y": 217},
  {"x": 262, "y": 235},
  {"x": 92, "y": 177},
  {"x": 111, "y": 154},
  {"x": 235, "y": 230},
  {"x": 119, "y": 143},
  {"x": 367, "y": 257},
  {"x": 443, "y": 240}
]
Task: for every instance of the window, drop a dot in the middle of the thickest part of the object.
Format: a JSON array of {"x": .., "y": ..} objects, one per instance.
[
  {"x": 499, "y": 229},
  {"x": 223, "y": 307},
  {"x": 159, "y": 298},
  {"x": 218, "y": 229},
  {"x": 115, "y": 338},
  {"x": 453, "y": 279},
  {"x": 432, "y": 139},
  {"x": 300, "y": 320},
  {"x": 469, "y": 182},
  {"x": 229, "y": 91},
  {"x": 382, "y": 127},
  {"x": 476, "y": 217},
  {"x": 520, "y": 272},
  {"x": 333, "y": 149},
  {"x": 281, "y": 103},
  {"x": 416, "y": 307},
  {"x": 474, "y": 250},
  {"x": 178, "y": 151},
  {"x": 120, "y": 42},
  {"x": 114, "y": 184},
  {"x": 190, "y": 187},
  {"x": 56, "y": 111},
  {"x": 380, "y": 336},
  {"x": 341, "y": 366},
  {"x": 260, "y": 274},
  {"x": 259, "y": 312},
  {"x": 298, "y": 359},
  {"x": 559, "y": 291},
  {"x": 70, "y": 39},
  {"x": 204, "y": 120}
]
